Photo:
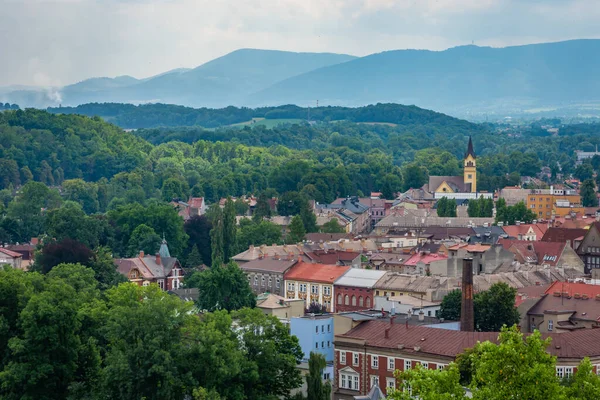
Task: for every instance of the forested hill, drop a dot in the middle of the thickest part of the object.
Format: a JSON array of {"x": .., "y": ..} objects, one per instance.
[{"x": 129, "y": 116}]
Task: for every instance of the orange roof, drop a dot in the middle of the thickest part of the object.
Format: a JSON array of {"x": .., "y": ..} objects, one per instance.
[
  {"x": 516, "y": 230},
  {"x": 471, "y": 248},
  {"x": 581, "y": 288},
  {"x": 323, "y": 273},
  {"x": 10, "y": 253}
]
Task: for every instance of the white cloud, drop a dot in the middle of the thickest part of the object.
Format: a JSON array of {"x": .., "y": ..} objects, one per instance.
[{"x": 54, "y": 42}]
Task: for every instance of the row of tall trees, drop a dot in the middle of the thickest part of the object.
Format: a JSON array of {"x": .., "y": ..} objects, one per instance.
[{"x": 64, "y": 337}]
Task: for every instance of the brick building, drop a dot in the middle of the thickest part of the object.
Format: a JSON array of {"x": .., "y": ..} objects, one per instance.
[
  {"x": 370, "y": 353},
  {"x": 354, "y": 290}
]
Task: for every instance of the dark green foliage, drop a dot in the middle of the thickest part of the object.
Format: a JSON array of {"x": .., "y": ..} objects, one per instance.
[
  {"x": 229, "y": 230},
  {"x": 315, "y": 389},
  {"x": 494, "y": 307},
  {"x": 66, "y": 251},
  {"x": 216, "y": 238},
  {"x": 333, "y": 226},
  {"x": 297, "y": 231},
  {"x": 510, "y": 214},
  {"x": 446, "y": 207},
  {"x": 481, "y": 208},
  {"x": 588, "y": 194},
  {"x": 193, "y": 259},
  {"x": 198, "y": 229},
  {"x": 143, "y": 238},
  {"x": 450, "y": 307},
  {"x": 222, "y": 287},
  {"x": 257, "y": 234}
]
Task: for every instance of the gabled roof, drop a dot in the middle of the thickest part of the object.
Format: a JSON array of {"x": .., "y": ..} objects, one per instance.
[
  {"x": 576, "y": 344},
  {"x": 471, "y": 248},
  {"x": 523, "y": 229},
  {"x": 534, "y": 252},
  {"x": 10, "y": 253},
  {"x": 563, "y": 234},
  {"x": 425, "y": 258},
  {"x": 364, "y": 278},
  {"x": 322, "y": 273},
  {"x": 269, "y": 264}
]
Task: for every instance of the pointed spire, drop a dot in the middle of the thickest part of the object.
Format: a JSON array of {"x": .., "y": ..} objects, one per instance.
[
  {"x": 470, "y": 150},
  {"x": 164, "y": 249}
]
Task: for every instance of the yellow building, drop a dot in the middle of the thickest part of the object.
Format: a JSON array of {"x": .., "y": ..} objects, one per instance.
[
  {"x": 457, "y": 184},
  {"x": 547, "y": 203}
]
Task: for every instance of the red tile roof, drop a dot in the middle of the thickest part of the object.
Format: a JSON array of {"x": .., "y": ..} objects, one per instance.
[
  {"x": 530, "y": 292},
  {"x": 322, "y": 273},
  {"x": 535, "y": 252},
  {"x": 10, "y": 253},
  {"x": 196, "y": 202},
  {"x": 582, "y": 288},
  {"x": 471, "y": 248},
  {"x": 563, "y": 234},
  {"x": 332, "y": 257},
  {"x": 424, "y": 340},
  {"x": 425, "y": 258},
  {"x": 516, "y": 230}
]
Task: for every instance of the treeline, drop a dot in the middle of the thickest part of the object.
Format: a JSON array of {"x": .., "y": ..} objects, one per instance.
[
  {"x": 168, "y": 115},
  {"x": 64, "y": 337},
  {"x": 8, "y": 106}
]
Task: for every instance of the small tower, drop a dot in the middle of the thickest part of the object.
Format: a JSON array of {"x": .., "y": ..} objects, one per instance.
[
  {"x": 164, "y": 249},
  {"x": 470, "y": 167}
]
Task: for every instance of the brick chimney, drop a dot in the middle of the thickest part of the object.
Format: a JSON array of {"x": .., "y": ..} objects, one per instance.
[
  {"x": 141, "y": 253},
  {"x": 467, "y": 313},
  {"x": 158, "y": 259}
]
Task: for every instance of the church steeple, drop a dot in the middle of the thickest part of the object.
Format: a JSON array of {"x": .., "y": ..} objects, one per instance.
[{"x": 470, "y": 151}]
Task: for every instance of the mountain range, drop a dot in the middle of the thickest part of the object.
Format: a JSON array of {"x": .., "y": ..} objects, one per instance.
[{"x": 459, "y": 81}]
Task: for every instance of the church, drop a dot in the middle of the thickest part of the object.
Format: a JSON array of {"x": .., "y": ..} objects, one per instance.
[{"x": 447, "y": 185}]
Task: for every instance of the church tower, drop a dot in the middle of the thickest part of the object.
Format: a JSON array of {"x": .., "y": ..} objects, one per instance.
[{"x": 470, "y": 168}]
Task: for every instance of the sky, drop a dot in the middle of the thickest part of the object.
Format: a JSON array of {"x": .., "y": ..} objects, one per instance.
[{"x": 58, "y": 42}]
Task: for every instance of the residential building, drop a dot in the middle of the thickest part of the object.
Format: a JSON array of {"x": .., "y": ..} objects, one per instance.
[
  {"x": 486, "y": 259},
  {"x": 162, "y": 269},
  {"x": 589, "y": 250},
  {"x": 423, "y": 262},
  {"x": 566, "y": 307},
  {"x": 315, "y": 333},
  {"x": 354, "y": 289},
  {"x": 12, "y": 258},
  {"x": 409, "y": 305},
  {"x": 263, "y": 251},
  {"x": 314, "y": 283},
  {"x": 513, "y": 195},
  {"x": 542, "y": 201},
  {"x": 333, "y": 256},
  {"x": 388, "y": 261},
  {"x": 266, "y": 274},
  {"x": 195, "y": 206},
  {"x": 572, "y": 237},
  {"x": 524, "y": 231},
  {"x": 27, "y": 251},
  {"x": 549, "y": 254},
  {"x": 352, "y": 208},
  {"x": 424, "y": 223},
  {"x": 394, "y": 284},
  {"x": 583, "y": 155},
  {"x": 280, "y": 307},
  {"x": 369, "y": 354},
  {"x": 486, "y": 234}
]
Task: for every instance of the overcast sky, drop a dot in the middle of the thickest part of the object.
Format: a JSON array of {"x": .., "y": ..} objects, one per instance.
[{"x": 57, "y": 42}]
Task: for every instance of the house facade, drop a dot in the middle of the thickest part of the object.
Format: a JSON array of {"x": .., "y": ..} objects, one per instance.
[
  {"x": 314, "y": 283},
  {"x": 161, "y": 269},
  {"x": 315, "y": 334},
  {"x": 486, "y": 259},
  {"x": 354, "y": 290},
  {"x": 11, "y": 258},
  {"x": 589, "y": 249},
  {"x": 369, "y": 354},
  {"x": 266, "y": 274}
]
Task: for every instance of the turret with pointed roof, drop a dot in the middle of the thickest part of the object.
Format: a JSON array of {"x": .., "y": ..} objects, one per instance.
[
  {"x": 164, "y": 249},
  {"x": 470, "y": 150}
]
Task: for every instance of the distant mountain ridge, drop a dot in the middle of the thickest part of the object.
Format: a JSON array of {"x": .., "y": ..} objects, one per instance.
[
  {"x": 460, "y": 81},
  {"x": 218, "y": 83}
]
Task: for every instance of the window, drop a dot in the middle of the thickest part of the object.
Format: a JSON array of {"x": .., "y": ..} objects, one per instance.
[
  {"x": 354, "y": 300},
  {"x": 568, "y": 371},
  {"x": 597, "y": 369},
  {"x": 277, "y": 283},
  {"x": 425, "y": 365},
  {"x": 374, "y": 361},
  {"x": 469, "y": 176},
  {"x": 328, "y": 328},
  {"x": 314, "y": 289},
  {"x": 291, "y": 287},
  {"x": 368, "y": 302},
  {"x": 302, "y": 287},
  {"x": 560, "y": 372},
  {"x": 342, "y": 357},
  {"x": 339, "y": 299},
  {"x": 328, "y": 344},
  {"x": 360, "y": 301},
  {"x": 346, "y": 300},
  {"x": 355, "y": 359},
  {"x": 316, "y": 345},
  {"x": 175, "y": 272},
  {"x": 317, "y": 330},
  {"x": 323, "y": 345},
  {"x": 349, "y": 381},
  {"x": 161, "y": 284},
  {"x": 390, "y": 383},
  {"x": 374, "y": 380},
  {"x": 262, "y": 281},
  {"x": 326, "y": 376},
  {"x": 440, "y": 367},
  {"x": 391, "y": 364},
  {"x": 256, "y": 280},
  {"x": 407, "y": 365},
  {"x": 176, "y": 284},
  {"x": 327, "y": 290},
  {"x": 550, "y": 325},
  {"x": 270, "y": 281}
]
